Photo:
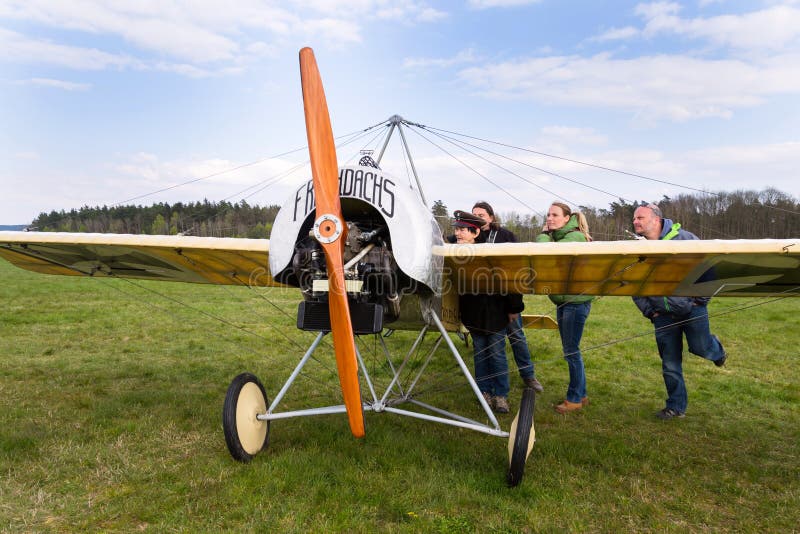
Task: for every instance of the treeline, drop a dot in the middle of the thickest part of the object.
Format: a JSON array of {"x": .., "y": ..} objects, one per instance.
[
  {"x": 736, "y": 215},
  {"x": 204, "y": 219}
]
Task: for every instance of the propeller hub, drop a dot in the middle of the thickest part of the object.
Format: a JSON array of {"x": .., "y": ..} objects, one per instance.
[{"x": 327, "y": 228}]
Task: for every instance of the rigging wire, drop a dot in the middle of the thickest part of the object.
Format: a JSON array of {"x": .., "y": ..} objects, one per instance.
[
  {"x": 519, "y": 162},
  {"x": 224, "y": 321},
  {"x": 222, "y": 172},
  {"x": 512, "y": 173},
  {"x": 433, "y": 131},
  {"x": 594, "y": 165},
  {"x": 480, "y": 174},
  {"x": 326, "y": 366},
  {"x": 268, "y": 182},
  {"x": 441, "y": 386},
  {"x": 236, "y": 168}
]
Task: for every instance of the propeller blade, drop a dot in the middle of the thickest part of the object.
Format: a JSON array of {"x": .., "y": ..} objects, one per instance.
[{"x": 331, "y": 231}]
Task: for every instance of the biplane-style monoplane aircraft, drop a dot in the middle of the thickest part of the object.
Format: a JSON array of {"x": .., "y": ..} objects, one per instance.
[{"x": 367, "y": 255}]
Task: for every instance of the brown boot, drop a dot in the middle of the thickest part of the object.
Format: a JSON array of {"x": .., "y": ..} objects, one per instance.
[
  {"x": 501, "y": 404},
  {"x": 567, "y": 406},
  {"x": 533, "y": 383}
]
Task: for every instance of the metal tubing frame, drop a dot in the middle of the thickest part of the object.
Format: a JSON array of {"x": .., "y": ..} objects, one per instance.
[
  {"x": 297, "y": 369},
  {"x": 425, "y": 365},
  {"x": 396, "y": 378},
  {"x": 466, "y": 372},
  {"x": 380, "y": 405},
  {"x": 397, "y": 121}
]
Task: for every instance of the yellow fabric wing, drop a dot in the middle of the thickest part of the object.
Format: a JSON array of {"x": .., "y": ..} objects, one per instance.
[
  {"x": 625, "y": 268},
  {"x": 205, "y": 260}
]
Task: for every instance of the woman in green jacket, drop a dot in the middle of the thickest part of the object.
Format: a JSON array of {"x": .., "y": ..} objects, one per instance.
[{"x": 572, "y": 310}]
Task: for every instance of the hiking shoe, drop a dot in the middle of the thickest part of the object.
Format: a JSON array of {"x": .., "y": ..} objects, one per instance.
[
  {"x": 533, "y": 383},
  {"x": 669, "y": 413},
  {"x": 501, "y": 404},
  {"x": 566, "y": 406},
  {"x": 721, "y": 361},
  {"x": 488, "y": 398}
]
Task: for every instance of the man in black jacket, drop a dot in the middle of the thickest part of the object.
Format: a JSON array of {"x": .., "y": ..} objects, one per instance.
[{"x": 674, "y": 317}]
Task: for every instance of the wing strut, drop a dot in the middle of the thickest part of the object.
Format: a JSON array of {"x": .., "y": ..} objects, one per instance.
[{"x": 331, "y": 231}]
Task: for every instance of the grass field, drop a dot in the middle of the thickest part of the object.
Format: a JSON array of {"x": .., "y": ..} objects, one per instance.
[{"x": 110, "y": 420}]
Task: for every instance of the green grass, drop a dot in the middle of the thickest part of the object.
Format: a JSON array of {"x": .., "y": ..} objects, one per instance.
[{"x": 112, "y": 394}]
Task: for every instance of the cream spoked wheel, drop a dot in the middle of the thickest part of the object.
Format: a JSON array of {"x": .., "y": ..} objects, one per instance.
[
  {"x": 245, "y": 434},
  {"x": 521, "y": 438}
]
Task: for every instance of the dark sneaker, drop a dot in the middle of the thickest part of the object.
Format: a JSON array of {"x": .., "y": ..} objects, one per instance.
[
  {"x": 501, "y": 404},
  {"x": 533, "y": 383},
  {"x": 721, "y": 361},
  {"x": 669, "y": 413}
]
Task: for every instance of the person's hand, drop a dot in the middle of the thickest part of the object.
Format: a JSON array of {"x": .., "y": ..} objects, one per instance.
[{"x": 512, "y": 317}]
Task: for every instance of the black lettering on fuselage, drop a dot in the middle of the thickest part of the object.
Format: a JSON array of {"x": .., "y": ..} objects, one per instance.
[
  {"x": 346, "y": 183},
  {"x": 353, "y": 183},
  {"x": 358, "y": 184},
  {"x": 388, "y": 187},
  {"x": 311, "y": 201}
]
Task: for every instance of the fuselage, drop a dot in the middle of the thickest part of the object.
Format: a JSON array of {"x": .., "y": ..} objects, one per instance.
[{"x": 391, "y": 271}]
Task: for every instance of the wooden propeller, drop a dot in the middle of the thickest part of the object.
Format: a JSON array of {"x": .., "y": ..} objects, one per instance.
[{"x": 331, "y": 231}]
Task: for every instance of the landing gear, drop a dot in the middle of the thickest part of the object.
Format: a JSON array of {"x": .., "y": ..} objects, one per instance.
[
  {"x": 521, "y": 438},
  {"x": 247, "y": 413},
  {"x": 245, "y": 435}
]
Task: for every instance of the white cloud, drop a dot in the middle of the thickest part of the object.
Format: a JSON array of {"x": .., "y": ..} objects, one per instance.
[
  {"x": 464, "y": 56},
  {"x": 430, "y": 14},
  {"x": 676, "y": 88},
  {"x": 194, "y": 179},
  {"x": 337, "y": 32},
  {"x": 617, "y": 34},
  {"x": 199, "y": 37},
  {"x": 407, "y": 11},
  {"x": 715, "y": 168},
  {"x": 573, "y": 136},
  {"x": 773, "y": 29},
  {"x": 57, "y": 84},
  {"x": 19, "y": 48},
  {"x": 749, "y": 164},
  {"x": 488, "y": 4}
]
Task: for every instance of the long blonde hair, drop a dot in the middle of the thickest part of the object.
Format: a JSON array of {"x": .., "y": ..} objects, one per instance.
[{"x": 583, "y": 225}]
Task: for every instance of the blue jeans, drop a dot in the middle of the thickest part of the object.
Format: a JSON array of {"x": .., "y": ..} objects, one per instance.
[
  {"x": 491, "y": 365},
  {"x": 669, "y": 337},
  {"x": 519, "y": 346},
  {"x": 571, "y": 320}
]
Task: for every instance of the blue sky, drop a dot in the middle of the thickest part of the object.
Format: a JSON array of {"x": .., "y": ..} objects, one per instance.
[{"x": 101, "y": 102}]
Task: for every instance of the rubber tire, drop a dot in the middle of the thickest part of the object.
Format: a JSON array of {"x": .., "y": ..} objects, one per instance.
[
  {"x": 245, "y": 435},
  {"x": 519, "y": 440}
]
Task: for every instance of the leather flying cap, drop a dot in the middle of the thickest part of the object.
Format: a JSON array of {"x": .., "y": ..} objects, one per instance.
[{"x": 466, "y": 219}]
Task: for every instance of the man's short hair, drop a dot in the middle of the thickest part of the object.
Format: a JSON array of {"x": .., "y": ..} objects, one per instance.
[{"x": 654, "y": 208}]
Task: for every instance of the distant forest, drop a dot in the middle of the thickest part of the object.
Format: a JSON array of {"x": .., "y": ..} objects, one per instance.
[
  {"x": 737, "y": 215},
  {"x": 205, "y": 219}
]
